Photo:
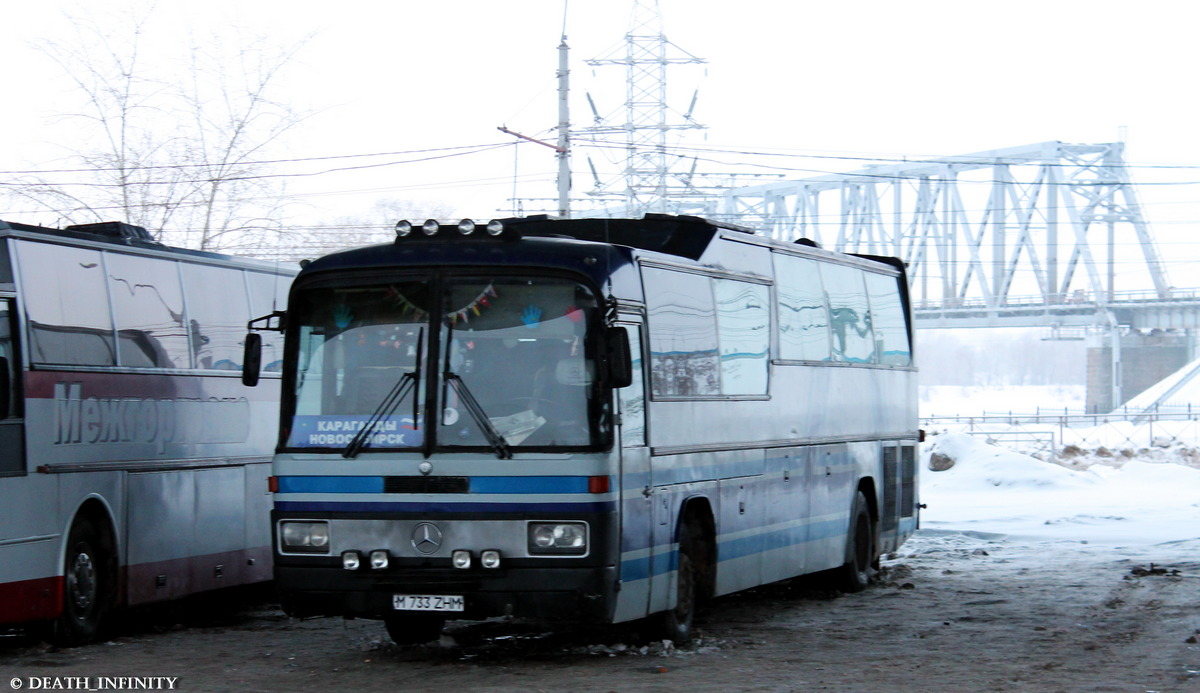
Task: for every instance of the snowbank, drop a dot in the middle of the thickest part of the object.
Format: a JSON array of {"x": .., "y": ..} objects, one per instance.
[{"x": 995, "y": 490}]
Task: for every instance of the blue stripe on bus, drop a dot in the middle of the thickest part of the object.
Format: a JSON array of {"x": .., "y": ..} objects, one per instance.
[
  {"x": 778, "y": 539},
  {"x": 478, "y": 484},
  {"x": 433, "y": 507},
  {"x": 665, "y": 561}
]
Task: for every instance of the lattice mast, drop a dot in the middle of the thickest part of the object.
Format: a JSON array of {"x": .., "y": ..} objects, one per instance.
[{"x": 647, "y": 169}]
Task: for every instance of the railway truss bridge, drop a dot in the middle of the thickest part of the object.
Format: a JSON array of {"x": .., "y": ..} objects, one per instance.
[{"x": 1049, "y": 235}]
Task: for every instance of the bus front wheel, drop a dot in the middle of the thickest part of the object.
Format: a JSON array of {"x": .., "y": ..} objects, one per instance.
[
  {"x": 677, "y": 622},
  {"x": 86, "y": 585}
]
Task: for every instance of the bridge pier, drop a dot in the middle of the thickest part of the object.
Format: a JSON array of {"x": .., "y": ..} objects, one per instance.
[{"x": 1141, "y": 359}]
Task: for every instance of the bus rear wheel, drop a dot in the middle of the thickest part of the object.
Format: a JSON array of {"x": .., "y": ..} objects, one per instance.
[
  {"x": 87, "y": 582},
  {"x": 855, "y": 574},
  {"x": 414, "y": 628}
]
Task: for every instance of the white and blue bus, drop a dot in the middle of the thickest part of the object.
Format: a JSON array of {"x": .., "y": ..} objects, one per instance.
[
  {"x": 133, "y": 461},
  {"x": 598, "y": 420}
]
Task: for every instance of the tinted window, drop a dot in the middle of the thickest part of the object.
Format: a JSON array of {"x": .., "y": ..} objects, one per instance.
[
  {"x": 66, "y": 301},
  {"x": 743, "y": 321},
  {"x": 683, "y": 334},
  {"x": 216, "y": 319},
  {"x": 148, "y": 305},
  {"x": 887, "y": 320},
  {"x": 803, "y": 316},
  {"x": 9, "y": 402},
  {"x": 847, "y": 296}
]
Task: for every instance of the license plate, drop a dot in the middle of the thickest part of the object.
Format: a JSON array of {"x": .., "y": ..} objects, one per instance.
[{"x": 427, "y": 602}]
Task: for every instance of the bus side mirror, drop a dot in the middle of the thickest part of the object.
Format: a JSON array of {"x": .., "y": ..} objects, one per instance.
[
  {"x": 252, "y": 359},
  {"x": 620, "y": 363}
]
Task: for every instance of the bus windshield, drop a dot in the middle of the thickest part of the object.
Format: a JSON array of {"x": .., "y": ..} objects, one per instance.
[{"x": 508, "y": 363}]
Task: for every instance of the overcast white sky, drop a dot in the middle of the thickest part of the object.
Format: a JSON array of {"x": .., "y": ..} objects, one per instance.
[{"x": 920, "y": 79}]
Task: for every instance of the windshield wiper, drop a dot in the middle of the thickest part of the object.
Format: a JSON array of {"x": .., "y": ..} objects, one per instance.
[
  {"x": 409, "y": 381},
  {"x": 497, "y": 441}
]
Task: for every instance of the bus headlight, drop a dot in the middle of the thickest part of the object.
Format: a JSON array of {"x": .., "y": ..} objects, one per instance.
[
  {"x": 558, "y": 538},
  {"x": 304, "y": 537}
]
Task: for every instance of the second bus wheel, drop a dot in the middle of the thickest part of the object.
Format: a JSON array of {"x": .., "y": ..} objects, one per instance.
[
  {"x": 855, "y": 574},
  {"x": 414, "y": 628}
]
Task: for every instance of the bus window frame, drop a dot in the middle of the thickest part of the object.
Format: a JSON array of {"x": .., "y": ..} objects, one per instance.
[{"x": 710, "y": 273}]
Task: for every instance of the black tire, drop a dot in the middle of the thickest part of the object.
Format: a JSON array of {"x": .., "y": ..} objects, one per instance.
[
  {"x": 414, "y": 628},
  {"x": 677, "y": 622},
  {"x": 88, "y": 583},
  {"x": 861, "y": 554}
]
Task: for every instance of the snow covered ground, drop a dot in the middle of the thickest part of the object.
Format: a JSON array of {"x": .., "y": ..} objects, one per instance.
[
  {"x": 1133, "y": 488},
  {"x": 996, "y": 490}
]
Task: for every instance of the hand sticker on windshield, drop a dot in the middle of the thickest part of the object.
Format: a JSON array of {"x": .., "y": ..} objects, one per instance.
[
  {"x": 530, "y": 316},
  {"x": 342, "y": 316}
]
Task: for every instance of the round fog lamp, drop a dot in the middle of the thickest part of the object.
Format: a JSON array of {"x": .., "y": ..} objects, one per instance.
[
  {"x": 490, "y": 559},
  {"x": 495, "y": 227},
  {"x": 379, "y": 559},
  {"x": 461, "y": 559},
  {"x": 466, "y": 226},
  {"x": 430, "y": 227},
  {"x": 351, "y": 560},
  {"x": 403, "y": 228}
]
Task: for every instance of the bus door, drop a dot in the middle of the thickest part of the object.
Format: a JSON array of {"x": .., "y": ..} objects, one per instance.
[
  {"x": 12, "y": 425},
  {"x": 637, "y": 517}
]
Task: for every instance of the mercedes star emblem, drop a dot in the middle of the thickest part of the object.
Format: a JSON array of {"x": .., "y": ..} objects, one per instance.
[{"x": 426, "y": 538}]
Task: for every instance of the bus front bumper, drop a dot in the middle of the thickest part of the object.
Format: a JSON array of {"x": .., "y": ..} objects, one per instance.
[{"x": 582, "y": 594}]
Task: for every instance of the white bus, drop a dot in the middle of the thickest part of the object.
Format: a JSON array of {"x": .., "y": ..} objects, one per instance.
[
  {"x": 596, "y": 420},
  {"x": 133, "y": 462}
]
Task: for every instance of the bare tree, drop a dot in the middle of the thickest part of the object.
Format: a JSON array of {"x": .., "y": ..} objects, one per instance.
[{"x": 186, "y": 155}]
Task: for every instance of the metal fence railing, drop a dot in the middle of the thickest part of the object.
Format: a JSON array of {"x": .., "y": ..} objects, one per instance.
[{"x": 1047, "y": 432}]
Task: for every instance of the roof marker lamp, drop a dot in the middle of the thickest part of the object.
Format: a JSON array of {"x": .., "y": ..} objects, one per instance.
[
  {"x": 430, "y": 227},
  {"x": 466, "y": 226},
  {"x": 403, "y": 228}
]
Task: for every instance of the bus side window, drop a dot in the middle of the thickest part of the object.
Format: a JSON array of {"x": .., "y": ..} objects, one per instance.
[
  {"x": 633, "y": 397},
  {"x": 11, "y": 457},
  {"x": 73, "y": 329}
]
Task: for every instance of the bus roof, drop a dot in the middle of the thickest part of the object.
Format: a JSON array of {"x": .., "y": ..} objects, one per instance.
[{"x": 122, "y": 235}]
